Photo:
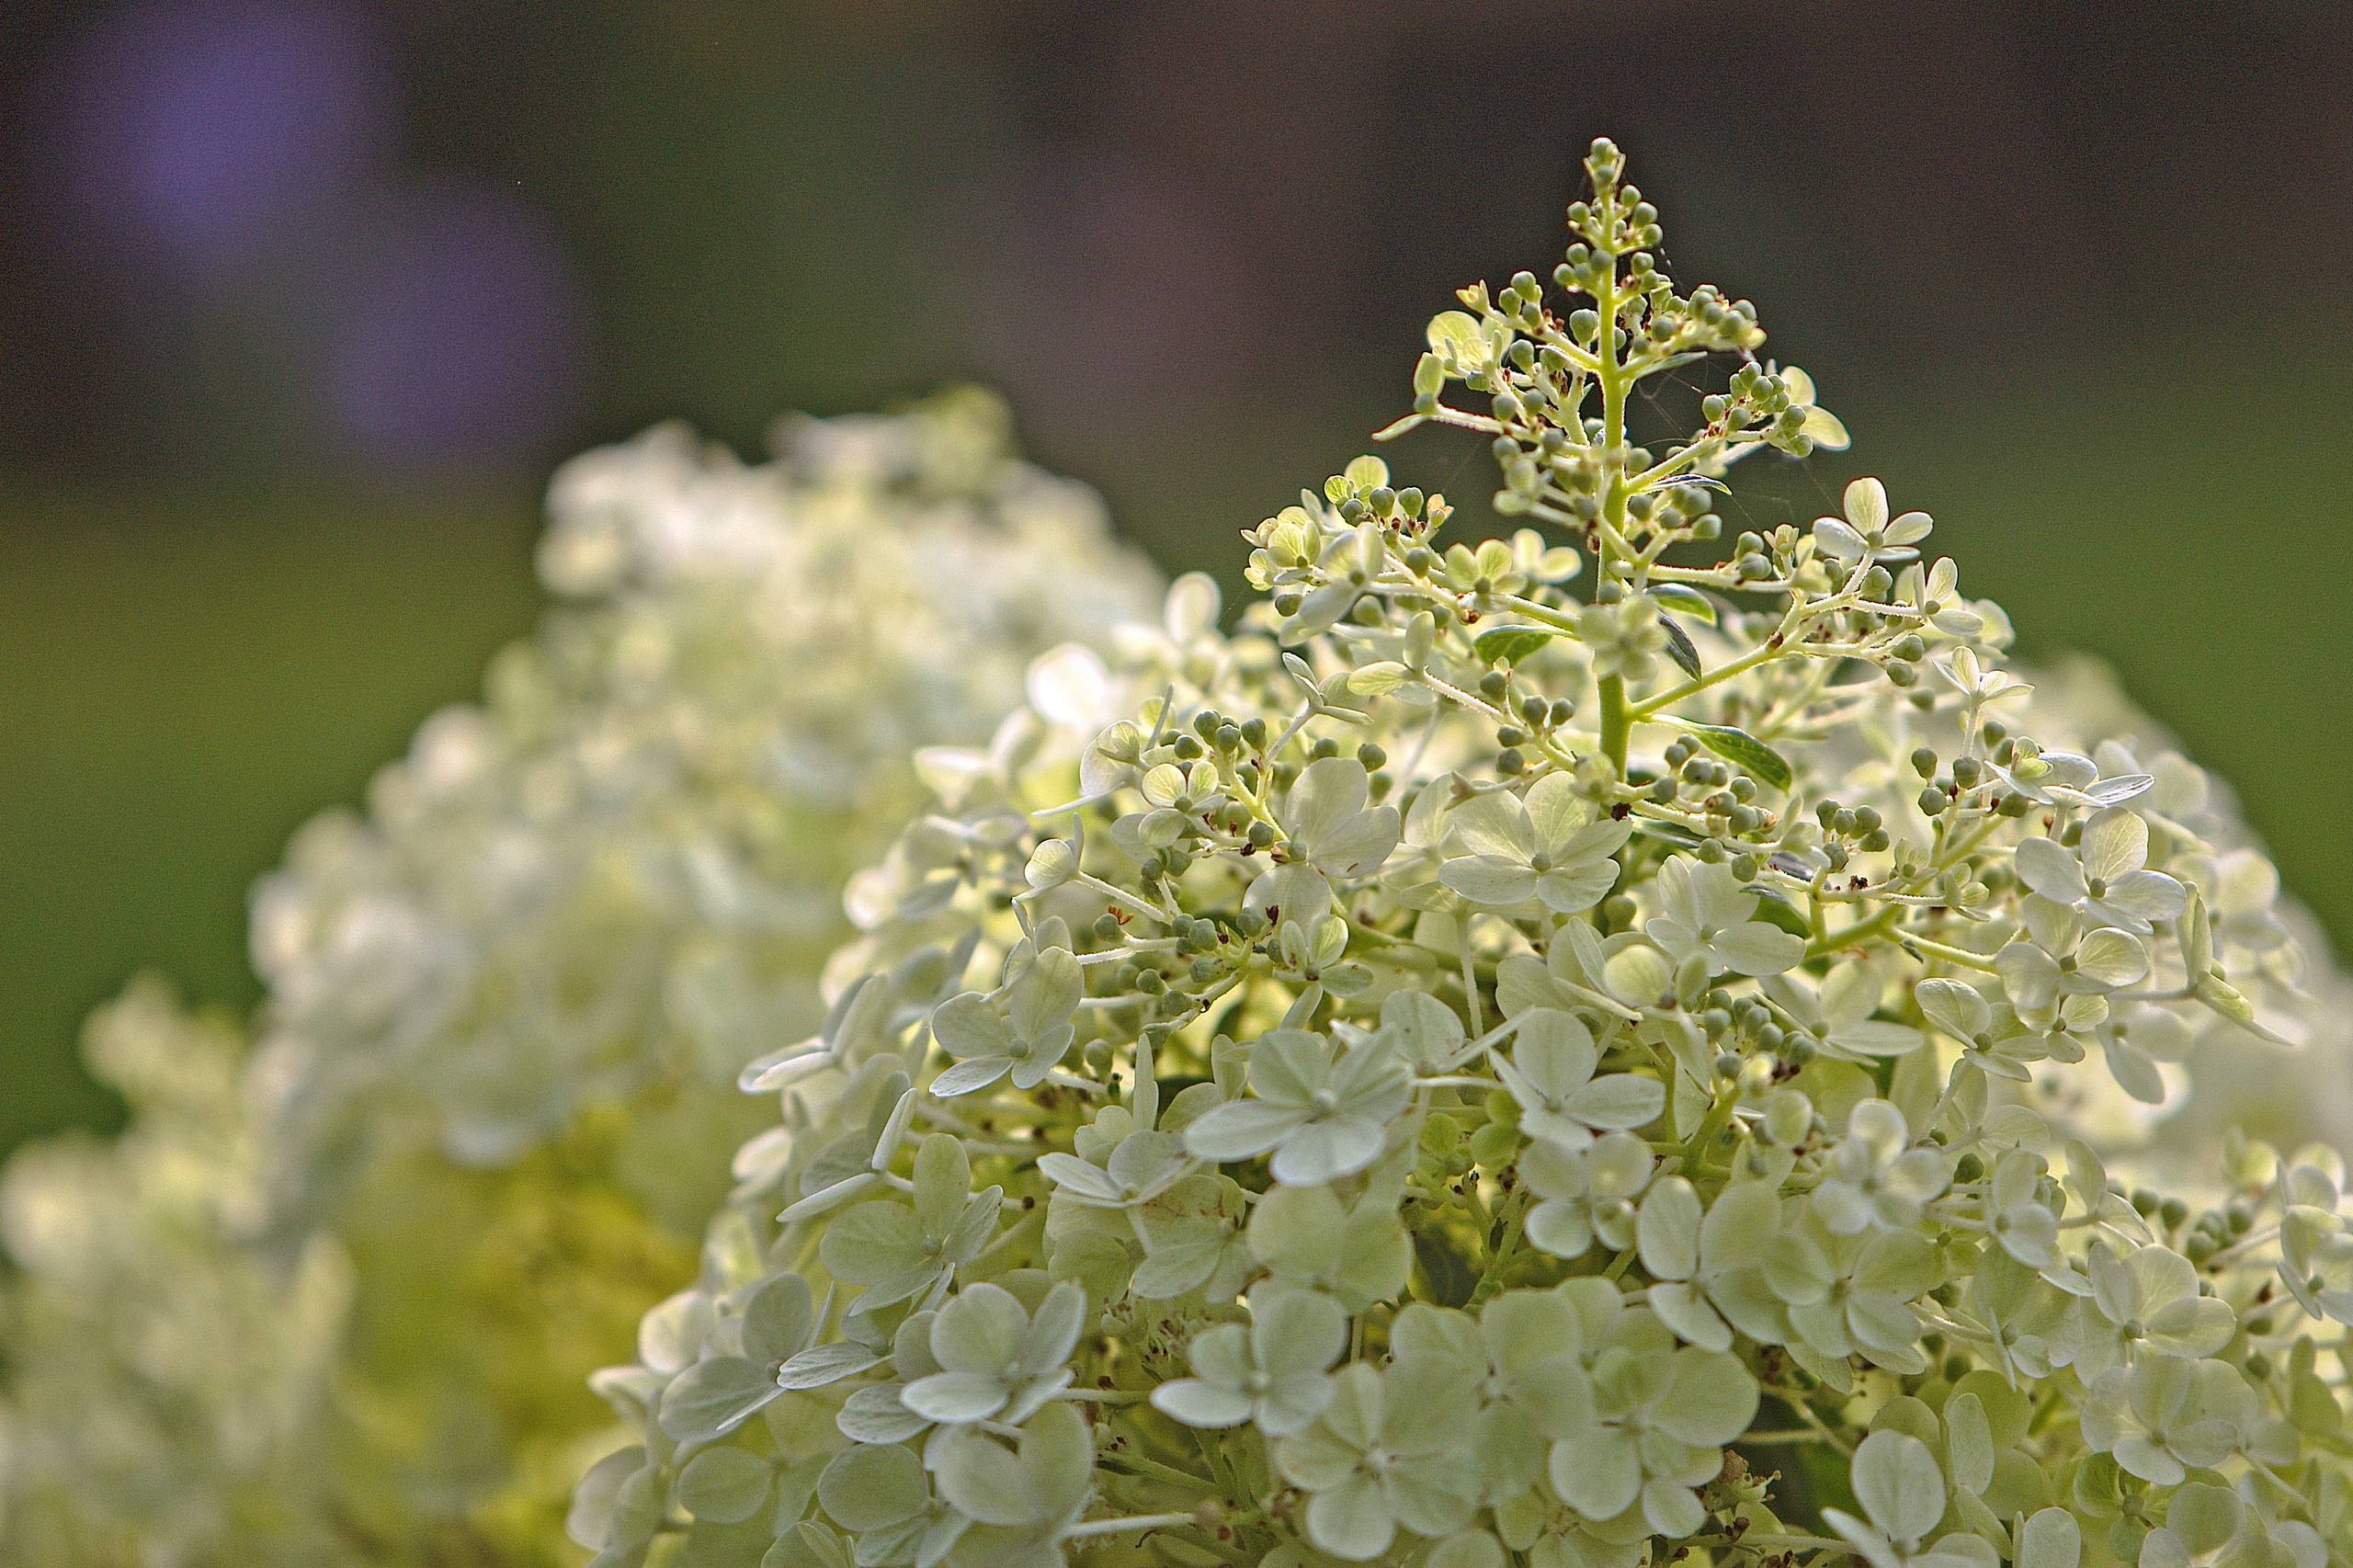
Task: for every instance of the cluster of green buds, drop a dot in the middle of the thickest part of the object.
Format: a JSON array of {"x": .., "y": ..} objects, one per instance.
[
  {"x": 493, "y": 1089},
  {"x": 1454, "y": 1073}
]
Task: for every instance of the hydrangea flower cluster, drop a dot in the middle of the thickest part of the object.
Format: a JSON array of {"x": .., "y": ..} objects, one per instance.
[
  {"x": 2275, "y": 943},
  {"x": 158, "y": 1381},
  {"x": 1568, "y": 1049},
  {"x": 330, "y": 1301}
]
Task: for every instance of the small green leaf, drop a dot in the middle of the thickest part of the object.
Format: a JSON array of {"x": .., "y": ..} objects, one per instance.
[
  {"x": 1689, "y": 601},
  {"x": 1735, "y": 745},
  {"x": 1511, "y": 644},
  {"x": 1452, "y": 1276},
  {"x": 1381, "y": 679},
  {"x": 1775, "y": 910},
  {"x": 1679, "y": 648}
]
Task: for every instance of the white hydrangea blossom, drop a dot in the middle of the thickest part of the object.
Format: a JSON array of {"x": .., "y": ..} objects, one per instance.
[
  {"x": 2271, "y": 941},
  {"x": 494, "y": 1087},
  {"x": 610, "y": 875},
  {"x": 1508, "y": 1078},
  {"x": 159, "y": 1385}
]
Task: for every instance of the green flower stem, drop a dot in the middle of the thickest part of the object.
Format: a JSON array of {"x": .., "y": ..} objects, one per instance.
[
  {"x": 1710, "y": 1127},
  {"x": 1491, "y": 1278},
  {"x": 1153, "y": 1470},
  {"x": 1721, "y": 578},
  {"x": 1382, "y": 938},
  {"x": 1772, "y": 647},
  {"x": 1861, "y": 931},
  {"x": 1470, "y": 970},
  {"x": 1200, "y": 1539},
  {"x": 1541, "y": 614},
  {"x": 1794, "y": 1543},
  {"x": 1485, "y": 424},
  {"x": 1127, "y": 1524},
  {"x": 1947, "y": 953},
  {"x": 1014, "y": 1235},
  {"x": 1456, "y": 695},
  {"x": 1616, "y": 723},
  {"x": 2252, "y": 1241},
  {"x": 1125, "y": 899},
  {"x": 1944, "y": 1324},
  {"x": 1610, "y": 371},
  {"x": 1956, "y": 853},
  {"x": 1785, "y": 712},
  {"x": 1784, "y": 642},
  {"x": 1223, "y": 1466},
  {"x": 2295, "y": 1498},
  {"x": 1822, "y": 1428},
  {"x": 1696, "y": 452}
]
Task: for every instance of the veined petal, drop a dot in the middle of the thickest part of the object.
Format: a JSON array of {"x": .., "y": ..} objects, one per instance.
[
  {"x": 1241, "y": 1130},
  {"x": 1490, "y": 880}
]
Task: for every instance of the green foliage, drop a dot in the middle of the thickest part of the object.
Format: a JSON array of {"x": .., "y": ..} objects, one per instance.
[{"x": 1517, "y": 1090}]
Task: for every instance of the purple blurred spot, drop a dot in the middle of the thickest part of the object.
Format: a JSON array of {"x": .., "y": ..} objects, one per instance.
[
  {"x": 454, "y": 332},
  {"x": 207, "y": 128}
]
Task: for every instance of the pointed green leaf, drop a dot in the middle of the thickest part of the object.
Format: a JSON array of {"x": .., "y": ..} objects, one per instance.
[
  {"x": 1735, "y": 745},
  {"x": 1679, "y": 648},
  {"x": 1689, "y": 601},
  {"x": 1512, "y": 644}
]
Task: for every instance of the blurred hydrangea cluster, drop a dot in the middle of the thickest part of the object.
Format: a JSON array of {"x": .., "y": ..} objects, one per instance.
[
  {"x": 1470, "y": 1068},
  {"x": 330, "y": 1300},
  {"x": 158, "y": 1381}
]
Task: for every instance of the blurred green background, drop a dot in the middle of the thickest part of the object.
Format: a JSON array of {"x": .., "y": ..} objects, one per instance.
[{"x": 301, "y": 299}]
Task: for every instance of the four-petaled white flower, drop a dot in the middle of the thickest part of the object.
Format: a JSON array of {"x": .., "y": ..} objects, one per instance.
[
  {"x": 1547, "y": 848},
  {"x": 2056, "y": 957},
  {"x": 1876, "y": 1178},
  {"x": 1333, "y": 835},
  {"x": 1709, "y": 916},
  {"x": 1275, "y": 1372},
  {"x": 1867, "y": 531},
  {"x": 1321, "y": 1118},
  {"x": 1584, "y": 1195},
  {"x": 1387, "y": 1452},
  {"x": 1551, "y": 1075},
  {"x": 1625, "y": 638},
  {"x": 2106, "y": 880}
]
